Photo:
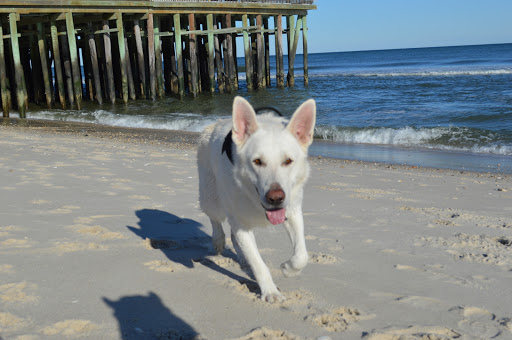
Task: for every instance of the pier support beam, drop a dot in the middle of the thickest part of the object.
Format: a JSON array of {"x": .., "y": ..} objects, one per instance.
[
  {"x": 278, "y": 24},
  {"x": 229, "y": 59},
  {"x": 67, "y": 69},
  {"x": 4, "y": 80},
  {"x": 122, "y": 56},
  {"x": 179, "y": 54},
  {"x": 18, "y": 68},
  {"x": 266, "y": 41},
  {"x": 43, "y": 53},
  {"x": 108, "y": 62},
  {"x": 248, "y": 54},
  {"x": 140, "y": 58},
  {"x": 294, "y": 40},
  {"x": 212, "y": 46},
  {"x": 158, "y": 58},
  {"x": 73, "y": 53},
  {"x": 151, "y": 56},
  {"x": 305, "y": 49},
  {"x": 94, "y": 64},
  {"x": 218, "y": 62},
  {"x": 260, "y": 54},
  {"x": 194, "y": 90},
  {"x": 57, "y": 64}
]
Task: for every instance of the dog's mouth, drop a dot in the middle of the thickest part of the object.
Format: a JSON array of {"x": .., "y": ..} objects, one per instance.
[{"x": 276, "y": 216}]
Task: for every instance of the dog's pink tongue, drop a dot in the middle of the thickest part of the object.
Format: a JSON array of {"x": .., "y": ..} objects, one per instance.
[{"x": 276, "y": 216}]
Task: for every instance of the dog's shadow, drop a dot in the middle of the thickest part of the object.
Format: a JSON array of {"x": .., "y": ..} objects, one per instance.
[{"x": 181, "y": 240}]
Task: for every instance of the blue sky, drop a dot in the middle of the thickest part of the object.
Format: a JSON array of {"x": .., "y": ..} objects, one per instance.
[{"x": 353, "y": 25}]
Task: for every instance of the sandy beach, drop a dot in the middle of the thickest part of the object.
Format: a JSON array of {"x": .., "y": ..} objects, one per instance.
[{"x": 101, "y": 237}]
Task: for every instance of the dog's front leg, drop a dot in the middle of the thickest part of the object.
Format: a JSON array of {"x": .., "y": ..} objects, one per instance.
[
  {"x": 295, "y": 227},
  {"x": 247, "y": 243}
]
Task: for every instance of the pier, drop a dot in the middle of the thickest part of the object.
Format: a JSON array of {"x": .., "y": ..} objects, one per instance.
[{"x": 60, "y": 53}]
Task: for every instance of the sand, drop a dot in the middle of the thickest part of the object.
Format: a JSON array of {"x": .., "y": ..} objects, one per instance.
[{"x": 101, "y": 237}]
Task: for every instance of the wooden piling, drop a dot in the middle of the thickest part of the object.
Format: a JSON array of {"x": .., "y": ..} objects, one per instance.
[
  {"x": 194, "y": 89},
  {"x": 73, "y": 53},
  {"x": 151, "y": 56},
  {"x": 248, "y": 53},
  {"x": 122, "y": 56},
  {"x": 4, "y": 80},
  {"x": 293, "y": 50},
  {"x": 174, "y": 69},
  {"x": 278, "y": 24},
  {"x": 18, "y": 68},
  {"x": 158, "y": 58},
  {"x": 140, "y": 58},
  {"x": 94, "y": 64},
  {"x": 107, "y": 45},
  {"x": 218, "y": 62},
  {"x": 67, "y": 69},
  {"x": 230, "y": 63},
  {"x": 57, "y": 64},
  {"x": 260, "y": 53},
  {"x": 305, "y": 49},
  {"x": 44, "y": 63},
  {"x": 32, "y": 63},
  {"x": 266, "y": 41},
  {"x": 179, "y": 54},
  {"x": 129, "y": 73},
  {"x": 212, "y": 46}
]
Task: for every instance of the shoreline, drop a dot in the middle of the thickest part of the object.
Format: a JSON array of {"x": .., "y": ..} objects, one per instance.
[
  {"x": 101, "y": 236},
  {"x": 367, "y": 154}
]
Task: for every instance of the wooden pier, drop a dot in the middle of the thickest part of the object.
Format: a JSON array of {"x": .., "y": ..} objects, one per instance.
[{"x": 60, "y": 53}]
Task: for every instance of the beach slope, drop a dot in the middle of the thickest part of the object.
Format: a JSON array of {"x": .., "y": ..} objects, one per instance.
[{"x": 101, "y": 237}]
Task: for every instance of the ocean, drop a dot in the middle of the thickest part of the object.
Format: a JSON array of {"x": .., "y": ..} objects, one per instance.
[{"x": 443, "y": 107}]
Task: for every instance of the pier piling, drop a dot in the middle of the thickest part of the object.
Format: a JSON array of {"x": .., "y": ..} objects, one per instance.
[{"x": 63, "y": 53}]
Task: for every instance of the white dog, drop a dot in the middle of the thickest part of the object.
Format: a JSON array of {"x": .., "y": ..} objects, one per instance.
[{"x": 252, "y": 171}]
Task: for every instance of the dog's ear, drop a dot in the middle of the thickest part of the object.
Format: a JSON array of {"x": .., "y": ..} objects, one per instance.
[
  {"x": 244, "y": 120},
  {"x": 302, "y": 124}
]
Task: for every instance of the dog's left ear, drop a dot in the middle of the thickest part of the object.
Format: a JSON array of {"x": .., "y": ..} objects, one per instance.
[{"x": 302, "y": 124}]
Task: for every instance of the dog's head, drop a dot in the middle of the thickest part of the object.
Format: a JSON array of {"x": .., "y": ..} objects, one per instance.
[{"x": 272, "y": 154}]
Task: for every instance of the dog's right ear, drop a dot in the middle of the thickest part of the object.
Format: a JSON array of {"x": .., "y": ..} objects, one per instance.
[{"x": 244, "y": 120}]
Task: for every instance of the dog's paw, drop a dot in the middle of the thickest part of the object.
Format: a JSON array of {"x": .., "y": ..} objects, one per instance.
[
  {"x": 219, "y": 243},
  {"x": 294, "y": 266},
  {"x": 288, "y": 271},
  {"x": 273, "y": 296}
]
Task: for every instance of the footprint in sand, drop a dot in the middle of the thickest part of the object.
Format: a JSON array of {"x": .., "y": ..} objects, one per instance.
[
  {"x": 322, "y": 258},
  {"x": 266, "y": 333},
  {"x": 10, "y": 323},
  {"x": 474, "y": 248},
  {"x": 336, "y": 320},
  {"x": 481, "y": 323},
  {"x": 412, "y": 332},
  {"x": 70, "y": 328},
  {"x": 18, "y": 292},
  {"x": 163, "y": 266}
]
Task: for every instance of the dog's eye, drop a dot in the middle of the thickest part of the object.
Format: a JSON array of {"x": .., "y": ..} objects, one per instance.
[
  {"x": 258, "y": 162},
  {"x": 288, "y": 161}
]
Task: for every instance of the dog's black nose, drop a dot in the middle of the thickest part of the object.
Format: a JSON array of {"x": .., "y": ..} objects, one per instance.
[{"x": 275, "y": 195}]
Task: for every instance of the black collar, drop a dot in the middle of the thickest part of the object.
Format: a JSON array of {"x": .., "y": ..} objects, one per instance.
[{"x": 227, "y": 146}]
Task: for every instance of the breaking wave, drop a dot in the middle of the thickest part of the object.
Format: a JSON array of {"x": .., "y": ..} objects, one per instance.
[{"x": 442, "y": 138}]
